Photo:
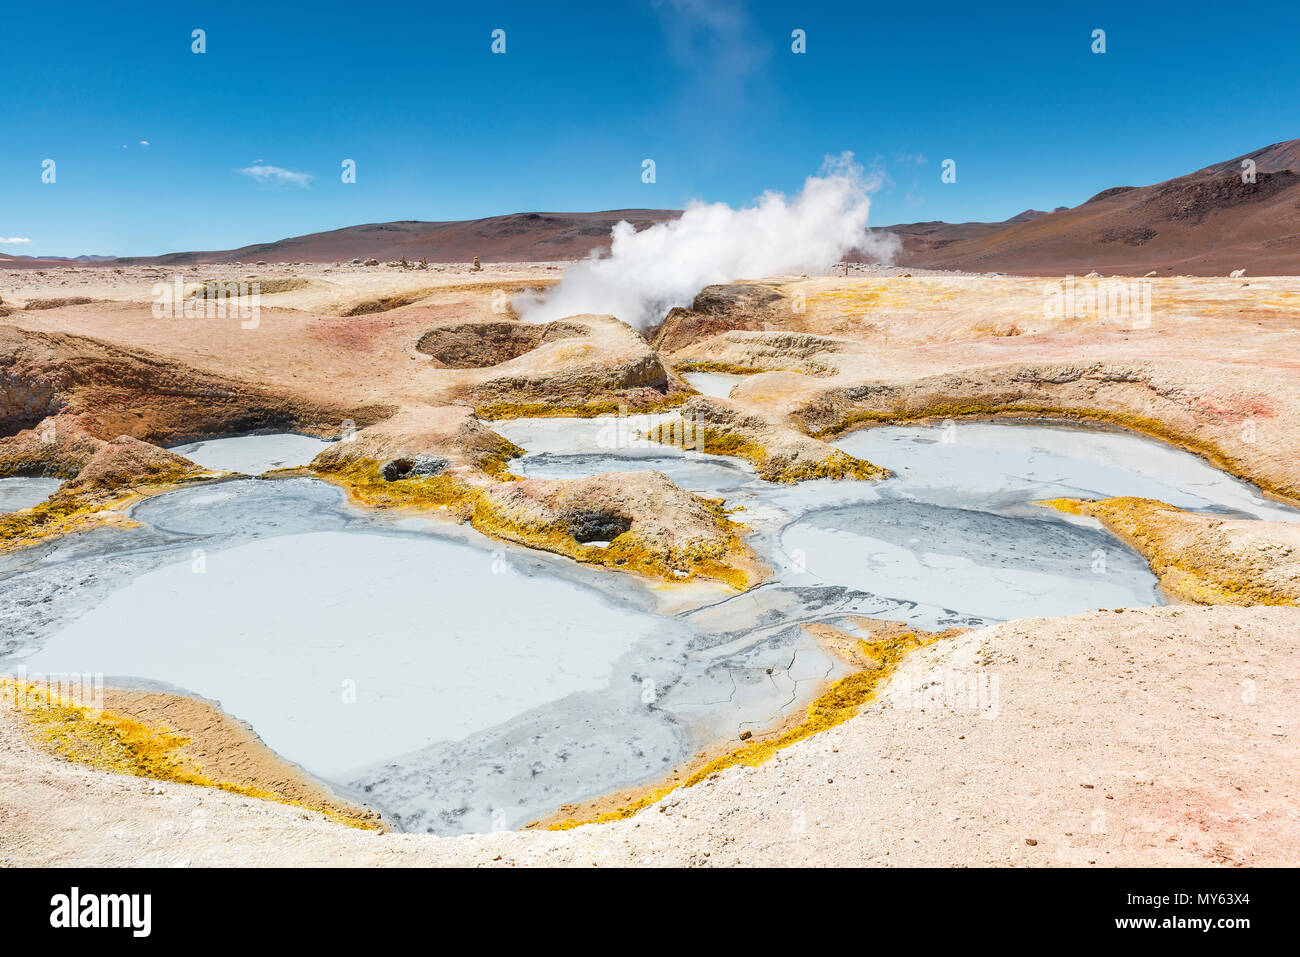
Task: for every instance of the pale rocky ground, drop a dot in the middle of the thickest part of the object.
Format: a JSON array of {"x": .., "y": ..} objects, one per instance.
[
  {"x": 1183, "y": 719},
  {"x": 1164, "y": 737}
]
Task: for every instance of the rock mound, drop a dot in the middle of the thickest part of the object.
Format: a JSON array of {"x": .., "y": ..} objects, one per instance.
[
  {"x": 609, "y": 367},
  {"x": 476, "y": 345},
  {"x": 635, "y": 521},
  {"x": 1204, "y": 558}
]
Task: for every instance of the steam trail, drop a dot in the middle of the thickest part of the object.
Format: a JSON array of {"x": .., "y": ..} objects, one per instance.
[{"x": 649, "y": 272}]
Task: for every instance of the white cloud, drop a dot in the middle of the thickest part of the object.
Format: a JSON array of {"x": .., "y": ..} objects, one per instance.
[
  {"x": 276, "y": 175},
  {"x": 144, "y": 142},
  {"x": 13, "y": 240},
  {"x": 718, "y": 41}
]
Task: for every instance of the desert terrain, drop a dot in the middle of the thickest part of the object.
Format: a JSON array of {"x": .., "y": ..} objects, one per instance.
[
  {"x": 1229, "y": 214},
  {"x": 1204, "y": 223},
  {"x": 1160, "y": 735}
]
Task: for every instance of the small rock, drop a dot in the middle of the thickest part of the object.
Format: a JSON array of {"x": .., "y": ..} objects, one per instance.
[{"x": 418, "y": 466}]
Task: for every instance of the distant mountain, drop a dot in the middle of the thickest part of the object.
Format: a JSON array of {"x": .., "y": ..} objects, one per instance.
[
  {"x": 518, "y": 237},
  {"x": 51, "y": 260},
  {"x": 1205, "y": 223},
  {"x": 950, "y": 231}
]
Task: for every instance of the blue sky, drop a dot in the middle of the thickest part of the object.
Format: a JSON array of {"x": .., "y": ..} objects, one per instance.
[{"x": 441, "y": 128}]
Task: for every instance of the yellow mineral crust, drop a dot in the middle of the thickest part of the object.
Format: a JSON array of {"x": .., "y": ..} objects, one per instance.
[
  {"x": 638, "y": 522},
  {"x": 117, "y": 742},
  {"x": 777, "y": 452},
  {"x": 116, "y": 474},
  {"x": 1201, "y": 558},
  {"x": 645, "y": 401},
  {"x": 841, "y": 701},
  {"x": 362, "y": 478}
]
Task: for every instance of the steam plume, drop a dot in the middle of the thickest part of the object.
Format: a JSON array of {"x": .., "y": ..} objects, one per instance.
[{"x": 649, "y": 272}]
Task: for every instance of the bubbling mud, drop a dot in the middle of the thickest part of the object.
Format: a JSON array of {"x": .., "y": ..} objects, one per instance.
[{"x": 953, "y": 556}]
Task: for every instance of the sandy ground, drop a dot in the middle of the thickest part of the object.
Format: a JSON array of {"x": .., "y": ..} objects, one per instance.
[
  {"x": 302, "y": 344},
  {"x": 1157, "y": 737}
]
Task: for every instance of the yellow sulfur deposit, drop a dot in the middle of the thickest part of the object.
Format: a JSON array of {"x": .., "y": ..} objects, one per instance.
[
  {"x": 122, "y": 744},
  {"x": 1201, "y": 558},
  {"x": 837, "y": 704}
]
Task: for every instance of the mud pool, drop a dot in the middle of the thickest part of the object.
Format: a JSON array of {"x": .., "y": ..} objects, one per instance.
[
  {"x": 717, "y": 384},
  {"x": 460, "y": 684},
  {"x": 453, "y": 682},
  {"x": 20, "y": 493},
  {"x": 253, "y": 454}
]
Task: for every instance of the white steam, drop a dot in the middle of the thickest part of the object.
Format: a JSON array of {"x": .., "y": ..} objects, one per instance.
[{"x": 649, "y": 272}]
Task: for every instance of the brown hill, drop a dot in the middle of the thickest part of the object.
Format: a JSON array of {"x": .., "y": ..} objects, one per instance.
[
  {"x": 50, "y": 262},
  {"x": 1205, "y": 223},
  {"x": 518, "y": 237},
  {"x": 937, "y": 231}
]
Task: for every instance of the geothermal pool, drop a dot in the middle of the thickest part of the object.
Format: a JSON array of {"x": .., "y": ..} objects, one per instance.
[
  {"x": 20, "y": 493},
  {"x": 950, "y": 555},
  {"x": 340, "y": 646},
  {"x": 253, "y": 454},
  {"x": 460, "y": 684},
  {"x": 452, "y": 681},
  {"x": 1005, "y": 461},
  {"x": 717, "y": 384}
]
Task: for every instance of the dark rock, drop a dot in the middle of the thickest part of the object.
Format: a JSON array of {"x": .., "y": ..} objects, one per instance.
[
  {"x": 419, "y": 466},
  {"x": 597, "y": 526}
]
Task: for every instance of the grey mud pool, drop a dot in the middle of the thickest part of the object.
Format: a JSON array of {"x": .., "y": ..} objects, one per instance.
[
  {"x": 459, "y": 684},
  {"x": 20, "y": 493}
]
